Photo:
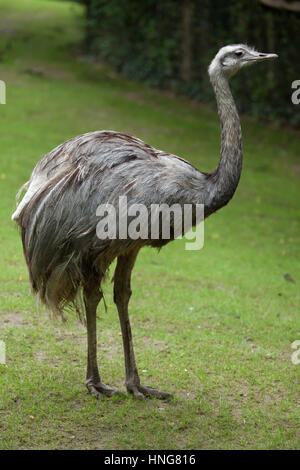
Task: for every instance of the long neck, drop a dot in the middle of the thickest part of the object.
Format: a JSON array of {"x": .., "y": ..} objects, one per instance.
[{"x": 225, "y": 178}]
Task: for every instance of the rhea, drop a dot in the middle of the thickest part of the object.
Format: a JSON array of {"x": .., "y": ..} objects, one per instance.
[{"x": 57, "y": 216}]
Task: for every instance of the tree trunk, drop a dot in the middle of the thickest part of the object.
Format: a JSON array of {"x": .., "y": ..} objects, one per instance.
[{"x": 186, "y": 63}]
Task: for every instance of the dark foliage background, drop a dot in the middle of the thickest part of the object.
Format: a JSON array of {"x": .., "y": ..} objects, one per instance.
[{"x": 169, "y": 44}]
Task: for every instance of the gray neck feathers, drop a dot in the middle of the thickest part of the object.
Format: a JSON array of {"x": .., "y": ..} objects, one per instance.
[{"x": 225, "y": 178}]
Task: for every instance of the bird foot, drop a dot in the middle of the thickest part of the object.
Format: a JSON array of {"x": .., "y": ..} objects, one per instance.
[
  {"x": 99, "y": 390},
  {"x": 142, "y": 392}
]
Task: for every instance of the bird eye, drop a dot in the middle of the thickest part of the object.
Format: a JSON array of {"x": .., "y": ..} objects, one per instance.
[{"x": 239, "y": 53}]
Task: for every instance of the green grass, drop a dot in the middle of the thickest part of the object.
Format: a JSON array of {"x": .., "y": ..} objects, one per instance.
[{"x": 214, "y": 327}]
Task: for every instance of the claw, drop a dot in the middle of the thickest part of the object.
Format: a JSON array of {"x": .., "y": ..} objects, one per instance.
[
  {"x": 99, "y": 389},
  {"x": 142, "y": 392},
  {"x": 92, "y": 389}
]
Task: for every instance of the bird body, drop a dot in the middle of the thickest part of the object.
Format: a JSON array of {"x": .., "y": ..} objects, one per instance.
[
  {"x": 58, "y": 214},
  {"x": 71, "y": 182}
]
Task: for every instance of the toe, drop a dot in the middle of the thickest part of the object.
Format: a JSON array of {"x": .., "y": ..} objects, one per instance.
[
  {"x": 142, "y": 392},
  {"x": 134, "y": 390},
  {"x": 152, "y": 392},
  {"x": 99, "y": 389},
  {"x": 108, "y": 391},
  {"x": 93, "y": 391}
]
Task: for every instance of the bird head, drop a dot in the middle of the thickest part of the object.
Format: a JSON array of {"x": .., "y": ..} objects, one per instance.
[{"x": 232, "y": 58}]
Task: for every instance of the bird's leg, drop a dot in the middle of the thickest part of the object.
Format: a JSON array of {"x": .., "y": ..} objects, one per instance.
[
  {"x": 122, "y": 293},
  {"x": 92, "y": 297}
]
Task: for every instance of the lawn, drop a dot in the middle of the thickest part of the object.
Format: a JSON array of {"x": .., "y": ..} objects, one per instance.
[{"x": 214, "y": 327}]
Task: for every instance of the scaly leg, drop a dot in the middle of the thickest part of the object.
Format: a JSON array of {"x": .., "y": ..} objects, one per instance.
[
  {"x": 122, "y": 293},
  {"x": 92, "y": 297}
]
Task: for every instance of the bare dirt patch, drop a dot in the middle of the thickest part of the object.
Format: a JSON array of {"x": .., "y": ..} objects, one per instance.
[
  {"x": 12, "y": 319},
  {"x": 40, "y": 356},
  {"x": 46, "y": 71}
]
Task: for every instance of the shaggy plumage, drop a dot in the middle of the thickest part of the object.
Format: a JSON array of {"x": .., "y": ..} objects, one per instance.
[
  {"x": 58, "y": 214},
  {"x": 58, "y": 217}
]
